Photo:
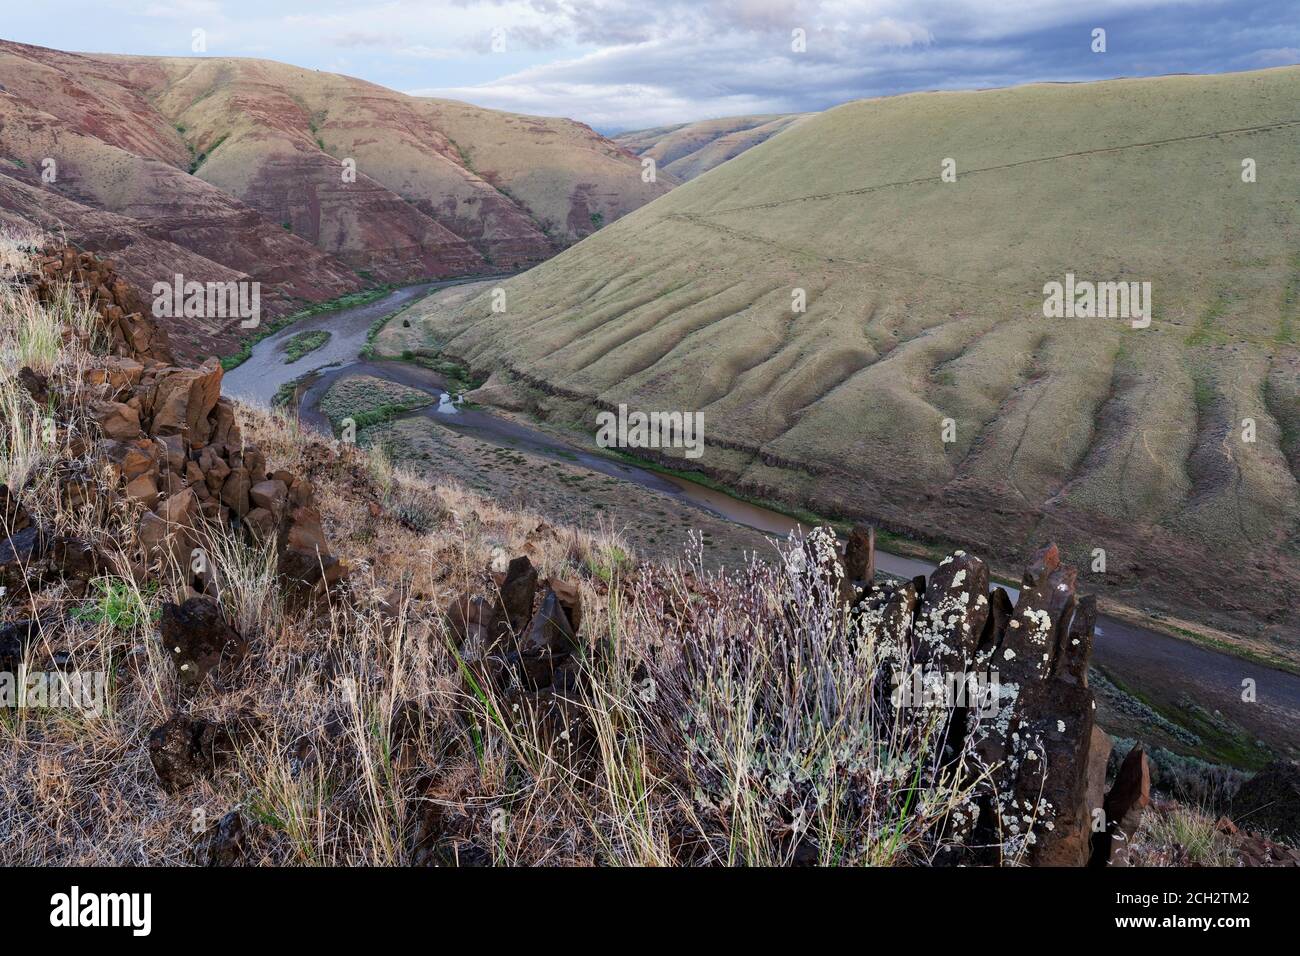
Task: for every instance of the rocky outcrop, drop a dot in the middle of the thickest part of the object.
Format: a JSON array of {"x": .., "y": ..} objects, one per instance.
[
  {"x": 1032, "y": 735},
  {"x": 1270, "y": 801},
  {"x": 169, "y": 453},
  {"x": 130, "y": 330},
  {"x": 522, "y": 640},
  {"x": 171, "y": 441}
]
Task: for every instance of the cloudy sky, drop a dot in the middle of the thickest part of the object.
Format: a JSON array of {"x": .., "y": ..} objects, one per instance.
[{"x": 622, "y": 64}]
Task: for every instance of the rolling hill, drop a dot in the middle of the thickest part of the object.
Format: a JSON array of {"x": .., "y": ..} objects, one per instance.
[
  {"x": 241, "y": 167},
  {"x": 923, "y": 387},
  {"x": 686, "y": 150}
]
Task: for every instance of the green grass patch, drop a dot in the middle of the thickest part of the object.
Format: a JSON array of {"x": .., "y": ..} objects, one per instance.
[
  {"x": 459, "y": 376},
  {"x": 304, "y": 343},
  {"x": 370, "y": 401},
  {"x": 116, "y": 604}
]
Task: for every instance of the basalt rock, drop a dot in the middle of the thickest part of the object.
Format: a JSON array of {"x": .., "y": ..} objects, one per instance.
[
  {"x": 1270, "y": 801},
  {"x": 198, "y": 639},
  {"x": 1029, "y": 729},
  {"x": 14, "y": 640},
  {"x": 183, "y": 399},
  {"x": 226, "y": 843},
  {"x": 172, "y": 443},
  {"x": 129, "y": 331},
  {"x": 860, "y": 555},
  {"x": 533, "y": 659},
  {"x": 517, "y": 591},
  {"x": 1128, "y": 799},
  {"x": 19, "y": 554},
  {"x": 1255, "y": 850},
  {"x": 185, "y": 750},
  {"x": 13, "y": 516},
  {"x": 35, "y": 384}
]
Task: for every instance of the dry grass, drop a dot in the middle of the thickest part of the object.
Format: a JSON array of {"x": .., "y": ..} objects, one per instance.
[
  {"x": 723, "y": 718},
  {"x": 370, "y": 742},
  {"x": 1181, "y": 835}
]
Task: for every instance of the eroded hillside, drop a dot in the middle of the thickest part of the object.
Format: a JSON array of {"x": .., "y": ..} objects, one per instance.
[
  {"x": 689, "y": 149},
  {"x": 923, "y": 385},
  {"x": 312, "y": 183}
]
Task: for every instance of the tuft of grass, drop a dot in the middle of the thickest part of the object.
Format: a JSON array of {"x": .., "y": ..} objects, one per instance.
[
  {"x": 1182, "y": 834},
  {"x": 116, "y": 605}
]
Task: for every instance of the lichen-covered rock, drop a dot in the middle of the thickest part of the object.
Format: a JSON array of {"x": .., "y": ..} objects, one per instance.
[{"x": 1013, "y": 680}]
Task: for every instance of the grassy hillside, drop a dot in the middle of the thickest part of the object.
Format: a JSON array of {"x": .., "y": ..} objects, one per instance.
[
  {"x": 925, "y": 303},
  {"x": 689, "y": 149}
]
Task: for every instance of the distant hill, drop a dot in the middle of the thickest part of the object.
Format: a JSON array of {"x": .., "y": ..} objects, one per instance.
[
  {"x": 1173, "y": 449},
  {"x": 236, "y": 167},
  {"x": 689, "y": 149}
]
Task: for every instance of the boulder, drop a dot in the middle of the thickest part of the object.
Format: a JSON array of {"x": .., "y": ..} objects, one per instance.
[
  {"x": 860, "y": 555},
  {"x": 306, "y": 566},
  {"x": 550, "y": 630},
  {"x": 19, "y": 553},
  {"x": 143, "y": 490},
  {"x": 129, "y": 460},
  {"x": 198, "y": 639},
  {"x": 271, "y": 496},
  {"x": 1128, "y": 799},
  {"x": 185, "y": 750},
  {"x": 517, "y": 592},
  {"x": 261, "y": 524},
  {"x": 35, "y": 384},
  {"x": 234, "y": 491},
  {"x": 569, "y": 596},
  {"x": 183, "y": 399},
  {"x": 225, "y": 844},
  {"x": 1269, "y": 802}
]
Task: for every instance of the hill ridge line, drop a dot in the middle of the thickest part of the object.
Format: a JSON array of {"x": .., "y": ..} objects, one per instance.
[{"x": 859, "y": 190}]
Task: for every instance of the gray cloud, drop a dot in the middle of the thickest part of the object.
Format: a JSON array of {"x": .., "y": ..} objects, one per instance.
[{"x": 675, "y": 61}]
